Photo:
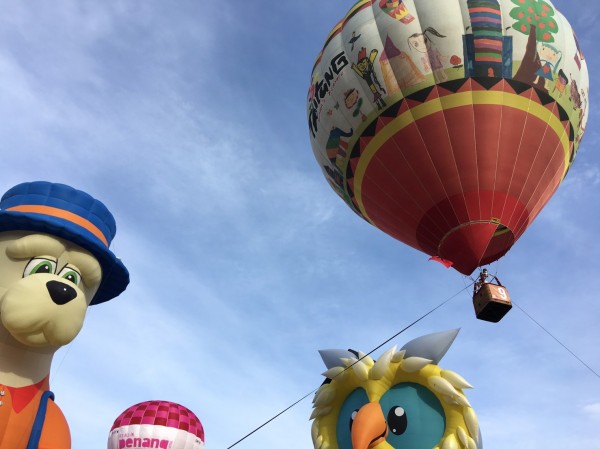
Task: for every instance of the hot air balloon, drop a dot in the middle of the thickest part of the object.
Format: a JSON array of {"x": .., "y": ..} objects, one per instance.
[
  {"x": 156, "y": 424},
  {"x": 401, "y": 400},
  {"x": 449, "y": 125}
]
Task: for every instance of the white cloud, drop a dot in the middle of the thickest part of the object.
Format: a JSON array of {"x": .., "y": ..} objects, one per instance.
[{"x": 592, "y": 410}]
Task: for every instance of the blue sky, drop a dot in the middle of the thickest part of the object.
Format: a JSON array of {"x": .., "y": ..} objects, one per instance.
[{"x": 188, "y": 120}]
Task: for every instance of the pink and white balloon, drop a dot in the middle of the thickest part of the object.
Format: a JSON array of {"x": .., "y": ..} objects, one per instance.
[{"x": 156, "y": 424}]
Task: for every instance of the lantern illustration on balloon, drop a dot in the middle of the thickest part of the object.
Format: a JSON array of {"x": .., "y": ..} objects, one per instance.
[
  {"x": 396, "y": 9},
  {"x": 156, "y": 424},
  {"x": 455, "y": 162}
]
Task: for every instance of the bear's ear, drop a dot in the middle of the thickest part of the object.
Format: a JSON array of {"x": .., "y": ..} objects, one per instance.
[{"x": 431, "y": 346}]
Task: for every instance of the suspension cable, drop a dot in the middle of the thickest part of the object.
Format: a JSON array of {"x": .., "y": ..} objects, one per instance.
[{"x": 350, "y": 366}]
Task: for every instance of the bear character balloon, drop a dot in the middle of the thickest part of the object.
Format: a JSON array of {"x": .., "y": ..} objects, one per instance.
[{"x": 54, "y": 262}]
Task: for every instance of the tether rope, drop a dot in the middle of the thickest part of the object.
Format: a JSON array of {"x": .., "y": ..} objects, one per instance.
[
  {"x": 396, "y": 335},
  {"x": 557, "y": 340},
  {"x": 350, "y": 366}
]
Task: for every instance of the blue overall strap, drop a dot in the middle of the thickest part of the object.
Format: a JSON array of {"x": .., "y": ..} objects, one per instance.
[{"x": 38, "y": 423}]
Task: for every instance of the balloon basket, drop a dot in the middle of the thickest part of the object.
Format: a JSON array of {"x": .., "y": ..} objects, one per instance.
[{"x": 491, "y": 303}]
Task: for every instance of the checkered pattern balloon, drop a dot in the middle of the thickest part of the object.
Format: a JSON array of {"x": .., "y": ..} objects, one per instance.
[{"x": 157, "y": 424}]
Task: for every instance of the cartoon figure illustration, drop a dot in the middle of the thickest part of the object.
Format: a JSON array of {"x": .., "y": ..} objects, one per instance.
[
  {"x": 366, "y": 70},
  {"x": 575, "y": 96},
  {"x": 54, "y": 263},
  {"x": 561, "y": 83},
  {"x": 398, "y": 69},
  {"x": 336, "y": 145},
  {"x": 353, "y": 40},
  {"x": 401, "y": 400},
  {"x": 352, "y": 99},
  {"x": 432, "y": 59},
  {"x": 336, "y": 152},
  {"x": 539, "y": 28},
  {"x": 550, "y": 58}
]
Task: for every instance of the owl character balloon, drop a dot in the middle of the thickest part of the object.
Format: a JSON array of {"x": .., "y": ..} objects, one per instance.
[{"x": 402, "y": 400}]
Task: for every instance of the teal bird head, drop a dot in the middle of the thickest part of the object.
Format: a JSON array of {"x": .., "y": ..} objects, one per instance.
[{"x": 402, "y": 400}]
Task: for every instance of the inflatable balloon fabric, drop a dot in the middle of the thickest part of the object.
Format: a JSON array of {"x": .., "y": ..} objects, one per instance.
[
  {"x": 404, "y": 399},
  {"x": 157, "y": 424},
  {"x": 449, "y": 124}
]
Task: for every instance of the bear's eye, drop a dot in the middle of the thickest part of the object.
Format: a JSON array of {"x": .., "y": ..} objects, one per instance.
[
  {"x": 39, "y": 265},
  {"x": 70, "y": 274}
]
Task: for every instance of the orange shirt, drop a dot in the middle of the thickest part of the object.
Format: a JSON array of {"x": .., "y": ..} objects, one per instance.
[{"x": 17, "y": 413}]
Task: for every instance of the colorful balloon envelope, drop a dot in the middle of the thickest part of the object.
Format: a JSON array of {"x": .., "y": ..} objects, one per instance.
[
  {"x": 156, "y": 424},
  {"x": 449, "y": 124}
]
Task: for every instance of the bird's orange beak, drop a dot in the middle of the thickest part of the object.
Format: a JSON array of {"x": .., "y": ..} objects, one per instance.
[{"x": 369, "y": 427}]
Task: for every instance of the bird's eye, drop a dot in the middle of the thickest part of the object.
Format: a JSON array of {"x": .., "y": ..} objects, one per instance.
[
  {"x": 353, "y": 417},
  {"x": 39, "y": 265},
  {"x": 70, "y": 274},
  {"x": 419, "y": 422},
  {"x": 397, "y": 420},
  {"x": 348, "y": 411}
]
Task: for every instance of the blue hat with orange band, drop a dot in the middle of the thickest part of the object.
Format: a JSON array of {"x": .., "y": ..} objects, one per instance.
[{"x": 62, "y": 211}]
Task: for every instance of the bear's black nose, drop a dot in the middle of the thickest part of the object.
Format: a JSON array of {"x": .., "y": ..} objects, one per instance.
[{"x": 60, "y": 292}]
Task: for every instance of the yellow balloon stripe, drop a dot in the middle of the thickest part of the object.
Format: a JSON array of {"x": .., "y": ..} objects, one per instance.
[{"x": 460, "y": 99}]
